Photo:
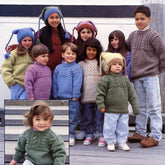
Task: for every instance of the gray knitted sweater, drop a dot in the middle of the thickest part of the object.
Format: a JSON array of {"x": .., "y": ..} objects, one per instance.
[
  {"x": 91, "y": 75},
  {"x": 147, "y": 53}
]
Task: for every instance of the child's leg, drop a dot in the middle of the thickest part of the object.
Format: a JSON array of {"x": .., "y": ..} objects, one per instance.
[
  {"x": 141, "y": 119},
  {"x": 122, "y": 128},
  {"x": 89, "y": 122},
  {"x": 27, "y": 162},
  {"x": 73, "y": 117},
  {"x": 154, "y": 106},
  {"x": 109, "y": 128}
]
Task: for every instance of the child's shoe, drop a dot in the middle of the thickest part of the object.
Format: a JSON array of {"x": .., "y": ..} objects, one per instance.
[
  {"x": 101, "y": 142},
  {"x": 81, "y": 135},
  {"x": 123, "y": 146},
  {"x": 111, "y": 147},
  {"x": 88, "y": 141},
  {"x": 71, "y": 141}
]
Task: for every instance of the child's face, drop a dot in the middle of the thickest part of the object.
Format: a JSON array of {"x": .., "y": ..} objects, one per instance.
[
  {"x": 69, "y": 56},
  {"x": 85, "y": 34},
  {"x": 91, "y": 52},
  {"x": 27, "y": 42},
  {"x": 116, "y": 68},
  {"x": 115, "y": 42},
  {"x": 141, "y": 20},
  {"x": 42, "y": 59},
  {"x": 40, "y": 123},
  {"x": 54, "y": 20}
]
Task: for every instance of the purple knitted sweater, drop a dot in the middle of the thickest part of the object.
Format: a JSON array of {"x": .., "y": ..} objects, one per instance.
[{"x": 38, "y": 81}]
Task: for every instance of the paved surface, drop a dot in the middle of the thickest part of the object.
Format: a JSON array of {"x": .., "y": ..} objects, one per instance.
[{"x": 1, "y": 145}]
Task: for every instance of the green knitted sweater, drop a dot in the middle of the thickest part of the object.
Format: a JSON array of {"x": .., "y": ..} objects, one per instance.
[
  {"x": 41, "y": 148},
  {"x": 13, "y": 69},
  {"x": 113, "y": 93}
]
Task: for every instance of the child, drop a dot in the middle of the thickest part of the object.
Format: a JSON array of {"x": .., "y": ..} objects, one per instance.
[
  {"x": 148, "y": 61},
  {"x": 85, "y": 30},
  {"x": 67, "y": 81},
  {"x": 14, "y": 67},
  {"x": 38, "y": 77},
  {"x": 118, "y": 44},
  {"x": 113, "y": 93},
  {"x": 39, "y": 143},
  {"x": 92, "y": 119},
  {"x": 53, "y": 35}
]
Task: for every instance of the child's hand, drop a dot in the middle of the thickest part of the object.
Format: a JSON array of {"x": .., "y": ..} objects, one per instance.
[
  {"x": 74, "y": 99},
  {"x": 102, "y": 109},
  {"x": 30, "y": 98},
  {"x": 13, "y": 162}
]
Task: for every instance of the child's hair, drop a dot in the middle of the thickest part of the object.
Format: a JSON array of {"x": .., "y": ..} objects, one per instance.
[
  {"x": 94, "y": 43},
  {"x": 72, "y": 46},
  {"x": 143, "y": 9},
  {"x": 39, "y": 49},
  {"x": 122, "y": 49},
  {"x": 38, "y": 108}
]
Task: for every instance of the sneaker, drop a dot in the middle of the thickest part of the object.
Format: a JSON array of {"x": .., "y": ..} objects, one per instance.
[
  {"x": 149, "y": 142},
  {"x": 136, "y": 138},
  {"x": 111, "y": 147},
  {"x": 123, "y": 146},
  {"x": 88, "y": 141},
  {"x": 101, "y": 142},
  {"x": 71, "y": 141},
  {"x": 81, "y": 135}
]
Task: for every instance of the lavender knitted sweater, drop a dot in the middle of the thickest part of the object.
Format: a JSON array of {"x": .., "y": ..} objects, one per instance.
[
  {"x": 147, "y": 53},
  {"x": 38, "y": 81}
]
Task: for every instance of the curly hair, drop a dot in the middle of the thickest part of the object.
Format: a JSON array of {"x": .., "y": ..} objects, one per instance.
[
  {"x": 94, "y": 43},
  {"x": 38, "y": 108}
]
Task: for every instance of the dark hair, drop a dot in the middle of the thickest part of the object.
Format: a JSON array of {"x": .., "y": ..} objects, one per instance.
[
  {"x": 94, "y": 43},
  {"x": 143, "y": 9},
  {"x": 38, "y": 108},
  {"x": 71, "y": 45},
  {"x": 122, "y": 49},
  {"x": 45, "y": 36},
  {"x": 39, "y": 49}
]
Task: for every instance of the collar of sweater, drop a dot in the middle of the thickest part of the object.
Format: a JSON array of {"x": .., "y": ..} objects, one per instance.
[
  {"x": 146, "y": 28},
  {"x": 37, "y": 63},
  {"x": 39, "y": 132},
  {"x": 115, "y": 74},
  {"x": 68, "y": 64}
]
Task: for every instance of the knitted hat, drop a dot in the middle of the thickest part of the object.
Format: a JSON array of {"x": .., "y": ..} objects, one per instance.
[
  {"x": 21, "y": 34},
  {"x": 107, "y": 59},
  {"x": 46, "y": 12},
  {"x": 85, "y": 24}
]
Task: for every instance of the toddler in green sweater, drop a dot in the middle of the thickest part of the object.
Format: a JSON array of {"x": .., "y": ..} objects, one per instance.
[
  {"x": 39, "y": 144},
  {"x": 114, "y": 91}
]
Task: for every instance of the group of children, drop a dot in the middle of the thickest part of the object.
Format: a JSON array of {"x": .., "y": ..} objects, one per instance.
[{"x": 97, "y": 84}]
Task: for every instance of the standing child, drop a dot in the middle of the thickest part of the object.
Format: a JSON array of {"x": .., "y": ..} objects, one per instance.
[
  {"x": 85, "y": 30},
  {"x": 113, "y": 93},
  {"x": 39, "y": 144},
  {"x": 92, "y": 119},
  {"x": 148, "y": 61},
  {"x": 118, "y": 44},
  {"x": 67, "y": 81},
  {"x": 38, "y": 77},
  {"x": 53, "y": 35},
  {"x": 17, "y": 61}
]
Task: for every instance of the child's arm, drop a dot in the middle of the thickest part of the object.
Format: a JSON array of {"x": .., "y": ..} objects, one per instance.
[
  {"x": 54, "y": 83},
  {"x": 102, "y": 110},
  {"x": 13, "y": 162},
  {"x": 11, "y": 47}
]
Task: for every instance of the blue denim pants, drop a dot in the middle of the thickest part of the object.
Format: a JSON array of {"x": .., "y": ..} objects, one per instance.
[
  {"x": 18, "y": 92},
  {"x": 115, "y": 128},
  {"x": 148, "y": 93},
  {"x": 92, "y": 120}
]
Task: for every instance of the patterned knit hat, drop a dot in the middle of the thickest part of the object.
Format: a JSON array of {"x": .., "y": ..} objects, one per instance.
[
  {"x": 21, "y": 34},
  {"x": 85, "y": 24},
  {"x": 107, "y": 59},
  {"x": 46, "y": 12}
]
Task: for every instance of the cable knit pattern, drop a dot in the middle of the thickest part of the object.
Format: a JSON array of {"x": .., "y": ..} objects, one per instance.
[
  {"x": 91, "y": 75},
  {"x": 147, "y": 53},
  {"x": 113, "y": 93},
  {"x": 38, "y": 81},
  {"x": 13, "y": 69},
  {"x": 41, "y": 148}
]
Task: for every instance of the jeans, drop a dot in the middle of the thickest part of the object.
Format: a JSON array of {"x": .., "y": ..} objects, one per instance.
[
  {"x": 148, "y": 93},
  {"x": 18, "y": 92},
  {"x": 115, "y": 128},
  {"x": 92, "y": 120}
]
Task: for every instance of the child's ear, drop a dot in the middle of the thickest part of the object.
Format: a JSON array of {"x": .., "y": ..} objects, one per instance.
[
  {"x": 149, "y": 19},
  {"x": 62, "y": 55}
]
